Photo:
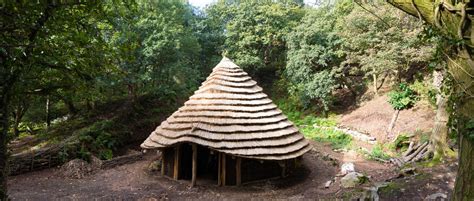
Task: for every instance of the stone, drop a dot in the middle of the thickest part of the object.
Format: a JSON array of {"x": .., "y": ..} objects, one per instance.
[
  {"x": 347, "y": 168},
  {"x": 352, "y": 179},
  {"x": 328, "y": 183},
  {"x": 406, "y": 172},
  {"x": 435, "y": 196}
]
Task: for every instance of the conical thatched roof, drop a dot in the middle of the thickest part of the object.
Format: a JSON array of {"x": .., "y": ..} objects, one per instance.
[{"x": 230, "y": 113}]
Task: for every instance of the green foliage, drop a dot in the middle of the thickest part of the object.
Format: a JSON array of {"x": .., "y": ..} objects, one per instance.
[
  {"x": 98, "y": 139},
  {"x": 401, "y": 143},
  {"x": 320, "y": 133},
  {"x": 255, "y": 34},
  {"x": 337, "y": 139},
  {"x": 156, "y": 48},
  {"x": 290, "y": 109},
  {"x": 378, "y": 152},
  {"x": 425, "y": 90},
  {"x": 387, "y": 46},
  {"x": 470, "y": 129},
  {"x": 402, "y": 98},
  {"x": 313, "y": 53}
]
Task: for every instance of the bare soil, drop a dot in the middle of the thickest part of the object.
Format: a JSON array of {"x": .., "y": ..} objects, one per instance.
[
  {"x": 135, "y": 182},
  {"x": 374, "y": 116}
]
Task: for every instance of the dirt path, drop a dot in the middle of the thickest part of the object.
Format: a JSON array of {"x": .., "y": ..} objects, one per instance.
[{"x": 136, "y": 182}]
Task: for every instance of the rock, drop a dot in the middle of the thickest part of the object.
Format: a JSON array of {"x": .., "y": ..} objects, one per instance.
[
  {"x": 347, "y": 168},
  {"x": 328, "y": 183},
  {"x": 436, "y": 196},
  {"x": 352, "y": 179},
  {"x": 406, "y": 172},
  {"x": 371, "y": 193}
]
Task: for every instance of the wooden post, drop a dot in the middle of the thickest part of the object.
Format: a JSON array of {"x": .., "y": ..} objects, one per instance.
[
  {"x": 238, "y": 171},
  {"x": 219, "y": 169},
  {"x": 176, "y": 163},
  {"x": 163, "y": 164},
  {"x": 193, "y": 180},
  {"x": 283, "y": 170},
  {"x": 223, "y": 169}
]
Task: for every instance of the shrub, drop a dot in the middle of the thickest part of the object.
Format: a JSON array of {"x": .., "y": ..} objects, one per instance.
[
  {"x": 97, "y": 139},
  {"x": 402, "y": 98}
]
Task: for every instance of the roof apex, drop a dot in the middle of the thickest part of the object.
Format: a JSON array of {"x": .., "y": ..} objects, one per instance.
[{"x": 226, "y": 63}]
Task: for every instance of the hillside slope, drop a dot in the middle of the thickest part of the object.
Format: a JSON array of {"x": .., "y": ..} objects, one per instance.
[{"x": 374, "y": 116}]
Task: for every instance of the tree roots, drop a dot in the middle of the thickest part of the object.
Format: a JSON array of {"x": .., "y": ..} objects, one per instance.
[{"x": 414, "y": 153}]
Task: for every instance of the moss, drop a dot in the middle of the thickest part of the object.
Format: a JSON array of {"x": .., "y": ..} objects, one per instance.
[{"x": 390, "y": 189}]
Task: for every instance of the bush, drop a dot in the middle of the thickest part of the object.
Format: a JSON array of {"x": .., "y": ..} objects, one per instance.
[
  {"x": 97, "y": 139},
  {"x": 402, "y": 98}
]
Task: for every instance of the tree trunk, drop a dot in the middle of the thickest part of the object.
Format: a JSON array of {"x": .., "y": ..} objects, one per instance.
[
  {"x": 453, "y": 19},
  {"x": 462, "y": 70},
  {"x": 438, "y": 140},
  {"x": 70, "y": 106},
  {"x": 374, "y": 76},
  {"x": 4, "y": 98},
  {"x": 48, "y": 116},
  {"x": 392, "y": 124}
]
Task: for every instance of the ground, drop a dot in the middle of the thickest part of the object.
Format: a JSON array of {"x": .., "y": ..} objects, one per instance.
[
  {"x": 136, "y": 182},
  {"x": 374, "y": 116}
]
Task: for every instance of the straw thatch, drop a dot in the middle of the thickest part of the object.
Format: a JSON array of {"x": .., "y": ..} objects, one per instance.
[{"x": 229, "y": 113}]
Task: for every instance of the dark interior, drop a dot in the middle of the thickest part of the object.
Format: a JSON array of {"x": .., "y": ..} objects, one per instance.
[
  {"x": 206, "y": 163},
  {"x": 207, "y": 166}
]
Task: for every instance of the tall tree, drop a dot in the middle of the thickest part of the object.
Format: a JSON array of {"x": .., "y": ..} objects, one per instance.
[
  {"x": 255, "y": 33},
  {"x": 454, "y": 20},
  {"x": 156, "y": 48},
  {"x": 45, "y": 46}
]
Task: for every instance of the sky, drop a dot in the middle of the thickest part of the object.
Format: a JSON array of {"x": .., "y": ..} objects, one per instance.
[{"x": 203, "y": 3}]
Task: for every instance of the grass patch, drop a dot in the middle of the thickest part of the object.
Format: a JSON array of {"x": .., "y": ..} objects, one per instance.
[
  {"x": 378, "y": 152},
  {"x": 337, "y": 139},
  {"x": 306, "y": 121}
]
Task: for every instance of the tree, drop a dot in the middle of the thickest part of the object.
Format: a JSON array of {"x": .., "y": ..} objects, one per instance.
[
  {"x": 314, "y": 56},
  {"x": 255, "y": 34},
  {"x": 453, "y": 20},
  {"x": 45, "y": 47},
  {"x": 156, "y": 48},
  {"x": 438, "y": 139},
  {"x": 385, "y": 44}
]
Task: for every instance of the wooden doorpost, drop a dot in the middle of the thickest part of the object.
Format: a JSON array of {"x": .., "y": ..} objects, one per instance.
[
  {"x": 193, "y": 180},
  {"x": 219, "y": 169},
  {"x": 163, "y": 164},
  {"x": 176, "y": 162},
  {"x": 238, "y": 171},
  {"x": 223, "y": 169}
]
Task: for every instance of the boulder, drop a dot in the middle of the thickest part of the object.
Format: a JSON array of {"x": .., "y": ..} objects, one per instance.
[
  {"x": 347, "y": 168},
  {"x": 352, "y": 179}
]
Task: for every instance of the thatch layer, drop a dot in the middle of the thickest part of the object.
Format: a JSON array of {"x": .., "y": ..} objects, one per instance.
[{"x": 231, "y": 114}]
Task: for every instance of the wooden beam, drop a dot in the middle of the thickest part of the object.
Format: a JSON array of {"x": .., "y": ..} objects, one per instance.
[
  {"x": 176, "y": 163},
  {"x": 223, "y": 169},
  {"x": 193, "y": 180},
  {"x": 238, "y": 171},
  {"x": 219, "y": 167},
  {"x": 163, "y": 164},
  {"x": 283, "y": 169}
]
